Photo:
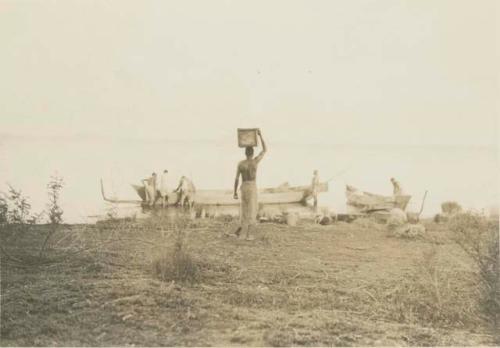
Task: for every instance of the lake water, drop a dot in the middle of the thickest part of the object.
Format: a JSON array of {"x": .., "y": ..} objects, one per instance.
[{"x": 468, "y": 175}]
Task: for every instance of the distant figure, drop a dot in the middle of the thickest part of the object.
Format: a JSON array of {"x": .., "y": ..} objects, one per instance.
[
  {"x": 397, "y": 191},
  {"x": 163, "y": 190},
  {"x": 248, "y": 171},
  {"x": 315, "y": 188},
  {"x": 150, "y": 189},
  {"x": 186, "y": 191}
]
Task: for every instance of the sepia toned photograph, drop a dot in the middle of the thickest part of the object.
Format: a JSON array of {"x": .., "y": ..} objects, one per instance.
[{"x": 280, "y": 173}]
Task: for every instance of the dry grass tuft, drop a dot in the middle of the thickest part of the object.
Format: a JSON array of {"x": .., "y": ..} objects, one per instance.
[
  {"x": 178, "y": 266},
  {"x": 479, "y": 238},
  {"x": 279, "y": 337},
  {"x": 176, "y": 263},
  {"x": 436, "y": 295}
]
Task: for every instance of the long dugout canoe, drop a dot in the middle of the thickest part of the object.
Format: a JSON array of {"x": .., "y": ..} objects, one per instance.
[{"x": 278, "y": 195}]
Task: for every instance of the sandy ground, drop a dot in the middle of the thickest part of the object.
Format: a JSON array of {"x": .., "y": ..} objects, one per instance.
[{"x": 343, "y": 284}]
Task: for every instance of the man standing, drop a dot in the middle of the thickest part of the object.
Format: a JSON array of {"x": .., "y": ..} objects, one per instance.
[
  {"x": 150, "y": 188},
  {"x": 397, "y": 191},
  {"x": 163, "y": 189},
  {"x": 248, "y": 171},
  {"x": 315, "y": 188}
]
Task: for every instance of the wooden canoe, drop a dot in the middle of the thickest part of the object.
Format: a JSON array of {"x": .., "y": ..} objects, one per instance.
[
  {"x": 366, "y": 202},
  {"x": 279, "y": 195}
]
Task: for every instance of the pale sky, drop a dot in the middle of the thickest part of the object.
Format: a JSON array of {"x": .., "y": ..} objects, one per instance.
[{"x": 348, "y": 72}]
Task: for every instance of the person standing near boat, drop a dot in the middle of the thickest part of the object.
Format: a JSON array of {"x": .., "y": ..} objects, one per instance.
[
  {"x": 186, "y": 191},
  {"x": 150, "y": 189},
  {"x": 247, "y": 169},
  {"x": 163, "y": 189},
  {"x": 396, "y": 188},
  {"x": 315, "y": 188}
]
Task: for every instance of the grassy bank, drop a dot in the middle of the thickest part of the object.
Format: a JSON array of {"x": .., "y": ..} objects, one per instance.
[{"x": 124, "y": 283}]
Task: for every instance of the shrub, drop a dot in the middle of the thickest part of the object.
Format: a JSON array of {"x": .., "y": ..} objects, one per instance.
[
  {"x": 4, "y": 210},
  {"x": 15, "y": 209},
  {"x": 55, "y": 211},
  {"x": 478, "y": 237},
  {"x": 437, "y": 218},
  {"x": 19, "y": 208},
  {"x": 450, "y": 207},
  {"x": 54, "y": 188}
]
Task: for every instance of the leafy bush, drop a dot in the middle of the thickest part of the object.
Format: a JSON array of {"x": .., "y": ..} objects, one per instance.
[
  {"x": 18, "y": 208},
  {"x": 15, "y": 213},
  {"x": 15, "y": 209},
  {"x": 54, "y": 188},
  {"x": 54, "y": 209}
]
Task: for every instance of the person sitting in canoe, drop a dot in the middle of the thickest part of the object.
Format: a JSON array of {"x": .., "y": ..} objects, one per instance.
[{"x": 248, "y": 171}]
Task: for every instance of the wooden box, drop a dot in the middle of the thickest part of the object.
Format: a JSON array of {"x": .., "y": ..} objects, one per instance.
[{"x": 247, "y": 137}]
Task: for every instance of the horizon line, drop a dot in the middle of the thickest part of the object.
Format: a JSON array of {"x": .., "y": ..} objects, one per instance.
[{"x": 102, "y": 137}]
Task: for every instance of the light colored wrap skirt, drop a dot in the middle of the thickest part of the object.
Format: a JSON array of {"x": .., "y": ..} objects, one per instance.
[
  {"x": 150, "y": 193},
  {"x": 249, "y": 205},
  {"x": 164, "y": 191}
]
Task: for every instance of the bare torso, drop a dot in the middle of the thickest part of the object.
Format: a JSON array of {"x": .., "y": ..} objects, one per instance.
[
  {"x": 396, "y": 188},
  {"x": 248, "y": 169},
  {"x": 315, "y": 181},
  {"x": 151, "y": 181}
]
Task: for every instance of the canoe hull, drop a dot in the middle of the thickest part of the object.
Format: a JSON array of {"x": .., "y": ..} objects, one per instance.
[
  {"x": 279, "y": 195},
  {"x": 366, "y": 202}
]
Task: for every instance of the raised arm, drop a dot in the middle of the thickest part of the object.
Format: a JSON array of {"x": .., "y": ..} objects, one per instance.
[
  {"x": 236, "y": 182},
  {"x": 264, "y": 147}
]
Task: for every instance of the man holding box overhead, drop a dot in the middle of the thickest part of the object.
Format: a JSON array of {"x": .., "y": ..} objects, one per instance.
[{"x": 248, "y": 171}]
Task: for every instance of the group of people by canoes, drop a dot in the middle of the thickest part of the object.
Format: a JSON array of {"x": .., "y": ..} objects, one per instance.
[
  {"x": 247, "y": 170},
  {"x": 157, "y": 189}
]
